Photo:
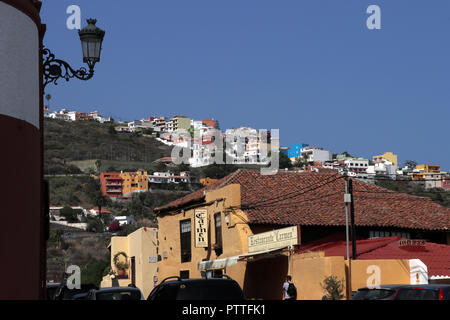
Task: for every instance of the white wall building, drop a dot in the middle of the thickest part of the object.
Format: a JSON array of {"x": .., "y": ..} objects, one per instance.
[
  {"x": 314, "y": 154},
  {"x": 169, "y": 177},
  {"x": 357, "y": 165},
  {"x": 203, "y": 148},
  {"x": 61, "y": 115},
  {"x": 95, "y": 115},
  {"x": 382, "y": 169},
  {"x": 245, "y": 146},
  {"x": 169, "y": 127},
  {"x": 125, "y": 220},
  {"x": 72, "y": 115},
  {"x": 428, "y": 180},
  {"x": 201, "y": 155}
]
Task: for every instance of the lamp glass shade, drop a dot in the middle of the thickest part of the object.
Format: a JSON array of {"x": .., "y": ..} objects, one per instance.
[
  {"x": 91, "y": 50},
  {"x": 91, "y": 42}
]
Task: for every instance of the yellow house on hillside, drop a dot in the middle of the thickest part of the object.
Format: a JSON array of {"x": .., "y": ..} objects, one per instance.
[
  {"x": 389, "y": 156},
  {"x": 134, "y": 181},
  {"x": 207, "y": 181},
  {"x": 428, "y": 168}
]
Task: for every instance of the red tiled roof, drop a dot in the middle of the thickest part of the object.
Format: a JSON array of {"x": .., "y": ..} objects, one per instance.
[
  {"x": 209, "y": 123},
  {"x": 164, "y": 159},
  {"x": 374, "y": 206},
  {"x": 435, "y": 256},
  {"x": 196, "y": 196}
]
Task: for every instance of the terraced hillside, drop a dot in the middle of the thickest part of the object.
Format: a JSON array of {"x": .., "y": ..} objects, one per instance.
[{"x": 68, "y": 143}]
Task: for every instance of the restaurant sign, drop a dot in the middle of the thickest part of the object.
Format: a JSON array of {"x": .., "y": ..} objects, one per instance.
[
  {"x": 273, "y": 239},
  {"x": 201, "y": 228}
]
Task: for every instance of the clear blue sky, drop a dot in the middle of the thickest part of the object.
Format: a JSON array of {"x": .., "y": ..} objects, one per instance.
[{"x": 310, "y": 68}]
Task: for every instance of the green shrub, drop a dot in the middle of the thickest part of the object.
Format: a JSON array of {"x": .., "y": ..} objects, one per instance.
[{"x": 333, "y": 287}]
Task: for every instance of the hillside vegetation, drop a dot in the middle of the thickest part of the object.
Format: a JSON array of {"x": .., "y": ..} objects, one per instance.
[
  {"x": 87, "y": 251},
  {"x": 66, "y": 143},
  {"x": 73, "y": 191}
]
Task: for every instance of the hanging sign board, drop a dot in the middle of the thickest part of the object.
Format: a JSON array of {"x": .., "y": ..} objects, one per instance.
[
  {"x": 201, "y": 228},
  {"x": 273, "y": 239}
]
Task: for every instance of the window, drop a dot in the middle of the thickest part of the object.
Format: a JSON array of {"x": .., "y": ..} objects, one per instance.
[
  {"x": 184, "y": 274},
  {"x": 185, "y": 240},
  {"x": 381, "y": 234},
  {"x": 218, "y": 232}
]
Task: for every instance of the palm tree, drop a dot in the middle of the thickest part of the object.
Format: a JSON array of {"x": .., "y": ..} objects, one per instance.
[
  {"x": 302, "y": 161},
  {"x": 98, "y": 164}
]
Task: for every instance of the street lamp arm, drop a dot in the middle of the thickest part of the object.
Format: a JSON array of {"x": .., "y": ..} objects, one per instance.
[{"x": 56, "y": 68}]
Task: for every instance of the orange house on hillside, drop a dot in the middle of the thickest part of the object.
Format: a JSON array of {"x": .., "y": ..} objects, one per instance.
[{"x": 111, "y": 184}]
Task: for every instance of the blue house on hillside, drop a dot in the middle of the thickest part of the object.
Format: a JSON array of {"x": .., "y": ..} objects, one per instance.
[{"x": 293, "y": 151}]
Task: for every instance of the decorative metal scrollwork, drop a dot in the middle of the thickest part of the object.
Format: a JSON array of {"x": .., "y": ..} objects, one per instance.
[{"x": 55, "y": 69}]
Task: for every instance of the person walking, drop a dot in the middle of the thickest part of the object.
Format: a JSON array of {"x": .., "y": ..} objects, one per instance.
[{"x": 289, "y": 289}]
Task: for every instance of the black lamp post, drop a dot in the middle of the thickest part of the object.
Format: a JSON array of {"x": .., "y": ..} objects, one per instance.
[{"x": 91, "y": 44}]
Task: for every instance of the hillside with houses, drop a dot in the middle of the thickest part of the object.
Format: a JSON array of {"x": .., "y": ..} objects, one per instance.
[{"x": 112, "y": 179}]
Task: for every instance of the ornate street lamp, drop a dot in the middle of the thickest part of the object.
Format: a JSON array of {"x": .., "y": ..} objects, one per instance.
[{"x": 91, "y": 44}]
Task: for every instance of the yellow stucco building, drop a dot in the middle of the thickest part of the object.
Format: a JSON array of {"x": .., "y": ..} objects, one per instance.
[
  {"x": 210, "y": 233},
  {"x": 134, "y": 181},
  {"x": 141, "y": 250},
  {"x": 428, "y": 168},
  {"x": 389, "y": 156},
  {"x": 207, "y": 181}
]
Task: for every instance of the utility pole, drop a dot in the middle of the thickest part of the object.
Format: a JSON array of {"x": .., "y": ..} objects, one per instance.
[
  {"x": 347, "y": 199},
  {"x": 352, "y": 219}
]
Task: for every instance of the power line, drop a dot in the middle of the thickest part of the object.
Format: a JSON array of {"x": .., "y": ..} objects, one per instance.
[
  {"x": 298, "y": 193},
  {"x": 395, "y": 198},
  {"x": 397, "y": 192},
  {"x": 400, "y": 180},
  {"x": 297, "y": 202},
  {"x": 289, "y": 196},
  {"x": 285, "y": 195}
]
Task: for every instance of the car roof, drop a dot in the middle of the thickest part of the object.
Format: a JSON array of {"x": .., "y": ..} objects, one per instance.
[
  {"x": 198, "y": 280},
  {"x": 80, "y": 294},
  {"x": 426, "y": 286},
  {"x": 408, "y": 286},
  {"x": 111, "y": 289},
  {"x": 386, "y": 286}
]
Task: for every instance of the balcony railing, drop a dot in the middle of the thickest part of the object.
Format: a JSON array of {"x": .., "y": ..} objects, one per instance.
[
  {"x": 113, "y": 184},
  {"x": 114, "y": 190}
]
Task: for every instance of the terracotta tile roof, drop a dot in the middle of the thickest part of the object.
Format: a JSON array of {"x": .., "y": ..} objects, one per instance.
[
  {"x": 374, "y": 206},
  {"x": 103, "y": 210},
  {"x": 197, "y": 195},
  {"x": 435, "y": 256},
  {"x": 164, "y": 159}
]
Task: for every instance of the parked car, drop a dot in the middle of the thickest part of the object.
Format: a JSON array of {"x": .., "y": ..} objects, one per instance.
[
  {"x": 386, "y": 292},
  {"x": 424, "y": 292},
  {"x": 80, "y": 296},
  {"x": 197, "y": 289},
  {"x": 64, "y": 293},
  {"x": 115, "y": 293},
  {"x": 51, "y": 290}
]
